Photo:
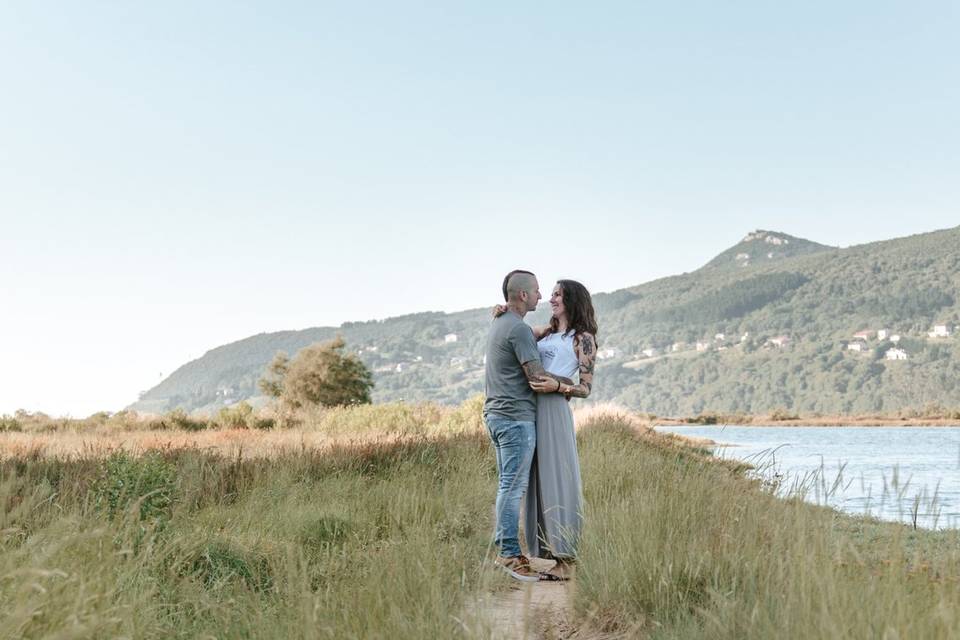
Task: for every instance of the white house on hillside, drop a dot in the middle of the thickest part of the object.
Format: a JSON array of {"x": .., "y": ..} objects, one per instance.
[
  {"x": 940, "y": 331},
  {"x": 863, "y": 335},
  {"x": 895, "y": 354},
  {"x": 450, "y": 337},
  {"x": 895, "y": 338},
  {"x": 779, "y": 341},
  {"x": 703, "y": 346},
  {"x": 649, "y": 352},
  {"x": 882, "y": 334},
  {"x": 857, "y": 346},
  {"x": 603, "y": 354}
]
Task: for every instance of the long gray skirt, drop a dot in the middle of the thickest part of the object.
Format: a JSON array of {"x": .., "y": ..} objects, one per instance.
[{"x": 553, "y": 516}]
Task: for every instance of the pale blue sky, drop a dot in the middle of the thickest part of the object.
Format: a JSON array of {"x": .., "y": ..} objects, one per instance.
[{"x": 180, "y": 175}]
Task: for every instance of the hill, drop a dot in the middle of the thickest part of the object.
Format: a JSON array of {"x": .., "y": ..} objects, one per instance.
[
  {"x": 764, "y": 247},
  {"x": 777, "y": 334}
]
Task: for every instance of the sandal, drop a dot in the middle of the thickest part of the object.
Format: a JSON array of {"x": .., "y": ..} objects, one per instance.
[{"x": 552, "y": 577}]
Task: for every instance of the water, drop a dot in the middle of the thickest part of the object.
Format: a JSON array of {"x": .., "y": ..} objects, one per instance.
[{"x": 906, "y": 474}]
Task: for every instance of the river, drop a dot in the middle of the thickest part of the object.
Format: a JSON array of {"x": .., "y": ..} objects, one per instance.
[{"x": 906, "y": 474}]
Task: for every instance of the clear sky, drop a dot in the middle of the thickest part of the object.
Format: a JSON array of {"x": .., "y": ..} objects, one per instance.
[{"x": 177, "y": 175}]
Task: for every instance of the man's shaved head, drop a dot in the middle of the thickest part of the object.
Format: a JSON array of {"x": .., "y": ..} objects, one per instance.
[
  {"x": 521, "y": 291},
  {"x": 520, "y": 283},
  {"x": 509, "y": 277},
  {"x": 516, "y": 281}
]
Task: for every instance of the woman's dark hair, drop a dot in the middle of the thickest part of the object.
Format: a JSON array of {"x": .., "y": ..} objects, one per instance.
[{"x": 579, "y": 306}]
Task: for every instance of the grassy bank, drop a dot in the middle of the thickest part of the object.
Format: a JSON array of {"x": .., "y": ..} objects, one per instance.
[
  {"x": 374, "y": 540},
  {"x": 374, "y": 522},
  {"x": 680, "y": 547}
]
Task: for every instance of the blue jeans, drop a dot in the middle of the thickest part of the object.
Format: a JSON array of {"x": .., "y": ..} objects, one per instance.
[{"x": 514, "y": 442}]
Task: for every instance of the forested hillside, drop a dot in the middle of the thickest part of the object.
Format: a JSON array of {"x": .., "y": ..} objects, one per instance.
[{"x": 768, "y": 324}]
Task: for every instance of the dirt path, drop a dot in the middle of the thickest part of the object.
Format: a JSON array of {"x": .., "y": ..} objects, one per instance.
[
  {"x": 529, "y": 611},
  {"x": 534, "y": 611}
]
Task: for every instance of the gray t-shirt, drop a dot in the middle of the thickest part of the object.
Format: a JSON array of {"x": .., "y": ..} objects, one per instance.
[{"x": 510, "y": 345}]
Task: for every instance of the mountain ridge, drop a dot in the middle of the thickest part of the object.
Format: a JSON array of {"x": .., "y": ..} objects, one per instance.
[
  {"x": 650, "y": 334},
  {"x": 764, "y": 247}
]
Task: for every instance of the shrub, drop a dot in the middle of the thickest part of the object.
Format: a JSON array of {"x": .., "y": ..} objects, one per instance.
[
  {"x": 319, "y": 375},
  {"x": 704, "y": 418},
  {"x": 780, "y": 415},
  {"x": 219, "y": 562},
  {"x": 98, "y": 418},
  {"x": 178, "y": 419},
  {"x": 239, "y": 416},
  {"x": 324, "y": 532},
  {"x": 242, "y": 416},
  {"x": 149, "y": 480},
  {"x": 125, "y": 419}
]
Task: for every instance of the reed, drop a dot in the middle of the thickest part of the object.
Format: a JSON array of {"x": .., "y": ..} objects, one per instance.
[
  {"x": 680, "y": 547},
  {"x": 353, "y": 541},
  {"x": 375, "y": 522}
]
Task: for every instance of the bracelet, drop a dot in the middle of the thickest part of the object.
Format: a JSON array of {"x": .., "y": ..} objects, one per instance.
[{"x": 558, "y": 386}]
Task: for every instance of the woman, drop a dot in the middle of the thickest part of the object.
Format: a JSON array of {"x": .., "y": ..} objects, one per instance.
[{"x": 554, "y": 495}]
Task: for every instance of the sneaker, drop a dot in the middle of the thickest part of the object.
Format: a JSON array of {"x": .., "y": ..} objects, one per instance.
[{"x": 519, "y": 568}]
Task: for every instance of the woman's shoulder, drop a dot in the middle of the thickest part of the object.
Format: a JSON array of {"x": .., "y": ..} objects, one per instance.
[{"x": 585, "y": 340}]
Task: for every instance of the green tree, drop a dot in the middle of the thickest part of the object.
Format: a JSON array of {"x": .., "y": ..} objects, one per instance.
[
  {"x": 272, "y": 384},
  {"x": 319, "y": 374}
]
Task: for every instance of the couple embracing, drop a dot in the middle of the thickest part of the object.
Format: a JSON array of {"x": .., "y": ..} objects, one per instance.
[{"x": 529, "y": 381}]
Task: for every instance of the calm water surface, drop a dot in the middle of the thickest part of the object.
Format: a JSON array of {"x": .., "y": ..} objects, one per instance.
[{"x": 894, "y": 473}]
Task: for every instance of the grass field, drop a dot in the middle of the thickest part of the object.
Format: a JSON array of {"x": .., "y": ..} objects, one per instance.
[{"x": 375, "y": 523}]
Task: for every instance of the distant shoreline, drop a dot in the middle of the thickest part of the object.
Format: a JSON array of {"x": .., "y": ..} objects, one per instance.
[{"x": 802, "y": 421}]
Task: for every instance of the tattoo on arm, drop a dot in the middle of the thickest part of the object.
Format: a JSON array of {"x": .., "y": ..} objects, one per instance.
[
  {"x": 534, "y": 370},
  {"x": 587, "y": 346},
  {"x": 586, "y": 354}
]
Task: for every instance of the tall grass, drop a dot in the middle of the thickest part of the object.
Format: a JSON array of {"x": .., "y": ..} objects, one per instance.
[
  {"x": 375, "y": 522},
  {"x": 681, "y": 547},
  {"x": 377, "y": 540},
  {"x": 237, "y": 429}
]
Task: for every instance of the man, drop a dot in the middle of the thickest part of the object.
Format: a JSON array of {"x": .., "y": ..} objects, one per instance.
[{"x": 510, "y": 412}]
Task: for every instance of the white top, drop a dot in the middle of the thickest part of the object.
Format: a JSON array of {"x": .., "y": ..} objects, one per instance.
[{"x": 558, "y": 355}]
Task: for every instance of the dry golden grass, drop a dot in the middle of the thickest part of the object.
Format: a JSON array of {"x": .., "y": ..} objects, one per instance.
[
  {"x": 316, "y": 429},
  {"x": 230, "y": 442}
]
